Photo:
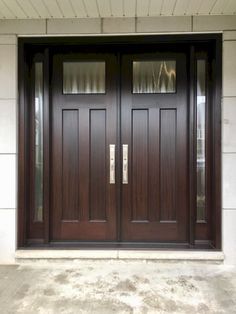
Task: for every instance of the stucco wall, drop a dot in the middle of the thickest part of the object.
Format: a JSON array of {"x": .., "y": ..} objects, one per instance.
[{"x": 9, "y": 29}]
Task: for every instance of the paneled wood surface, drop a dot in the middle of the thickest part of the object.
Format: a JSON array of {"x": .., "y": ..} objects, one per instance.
[
  {"x": 84, "y": 204},
  {"x": 154, "y": 202}
]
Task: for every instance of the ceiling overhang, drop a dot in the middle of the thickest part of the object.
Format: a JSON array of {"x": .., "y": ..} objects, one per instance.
[{"x": 47, "y": 9}]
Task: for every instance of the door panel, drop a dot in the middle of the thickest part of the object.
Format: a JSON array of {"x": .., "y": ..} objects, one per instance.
[
  {"x": 139, "y": 164},
  {"x": 168, "y": 164},
  {"x": 97, "y": 165},
  {"x": 83, "y": 125},
  {"x": 70, "y": 169},
  {"x": 154, "y": 125}
]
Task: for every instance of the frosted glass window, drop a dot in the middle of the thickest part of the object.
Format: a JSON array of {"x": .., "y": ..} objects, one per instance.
[
  {"x": 38, "y": 113},
  {"x": 154, "y": 77},
  {"x": 84, "y": 77},
  {"x": 201, "y": 142}
]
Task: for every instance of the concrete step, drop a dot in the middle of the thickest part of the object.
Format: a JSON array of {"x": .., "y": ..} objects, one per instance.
[{"x": 158, "y": 255}]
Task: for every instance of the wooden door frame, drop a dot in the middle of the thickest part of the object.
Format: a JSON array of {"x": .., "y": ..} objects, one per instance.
[{"x": 43, "y": 44}]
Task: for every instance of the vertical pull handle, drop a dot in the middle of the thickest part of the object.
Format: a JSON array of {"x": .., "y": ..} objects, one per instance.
[
  {"x": 125, "y": 164},
  {"x": 112, "y": 164}
]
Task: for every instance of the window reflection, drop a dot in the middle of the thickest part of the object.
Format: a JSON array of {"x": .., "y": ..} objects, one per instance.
[
  {"x": 38, "y": 214},
  {"x": 84, "y": 77},
  {"x": 201, "y": 142},
  {"x": 154, "y": 77}
]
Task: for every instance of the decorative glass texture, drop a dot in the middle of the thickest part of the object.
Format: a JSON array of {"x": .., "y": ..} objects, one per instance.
[
  {"x": 84, "y": 77},
  {"x": 38, "y": 107},
  {"x": 154, "y": 77},
  {"x": 201, "y": 142}
]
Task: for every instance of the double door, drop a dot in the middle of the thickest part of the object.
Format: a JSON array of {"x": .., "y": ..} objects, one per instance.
[{"x": 119, "y": 165}]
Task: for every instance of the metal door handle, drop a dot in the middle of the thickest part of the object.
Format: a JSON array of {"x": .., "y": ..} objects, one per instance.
[
  {"x": 112, "y": 164},
  {"x": 125, "y": 164}
]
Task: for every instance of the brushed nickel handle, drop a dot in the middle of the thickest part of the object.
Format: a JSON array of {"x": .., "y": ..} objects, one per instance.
[
  {"x": 112, "y": 164},
  {"x": 125, "y": 164}
]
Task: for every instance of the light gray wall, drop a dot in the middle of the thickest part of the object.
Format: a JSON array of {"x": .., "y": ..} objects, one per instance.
[
  {"x": 8, "y": 126},
  {"x": 229, "y": 145},
  {"x": 9, "y": 29}
]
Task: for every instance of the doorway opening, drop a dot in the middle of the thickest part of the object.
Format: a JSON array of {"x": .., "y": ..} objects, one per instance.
[{"x": 119, "y": 142}]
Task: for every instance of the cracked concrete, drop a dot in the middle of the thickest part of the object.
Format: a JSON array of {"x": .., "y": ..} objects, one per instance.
[{"x": 111, "y": 286}]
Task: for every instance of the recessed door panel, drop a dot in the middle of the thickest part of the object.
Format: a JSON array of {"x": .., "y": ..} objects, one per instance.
[
  {"x": 98, "y": 173},
  {"x": 139, "y": 165},
  {"x": 168, "y": 158},
  {"x": 70, "y": 165}
]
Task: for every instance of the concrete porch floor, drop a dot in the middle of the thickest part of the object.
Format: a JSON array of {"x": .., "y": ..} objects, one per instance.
[{"x": 115, "y": 286}]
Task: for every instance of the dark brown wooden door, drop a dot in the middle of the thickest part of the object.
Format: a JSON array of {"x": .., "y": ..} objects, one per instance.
[
  {"x": 154, "y": 126},
  {"x": 84, "y": 124}
]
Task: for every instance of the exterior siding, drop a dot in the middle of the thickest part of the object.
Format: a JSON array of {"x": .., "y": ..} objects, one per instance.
[{"x": 9, "y": 29}]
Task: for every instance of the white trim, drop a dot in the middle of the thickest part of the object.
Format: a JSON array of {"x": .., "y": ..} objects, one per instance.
[{"x": 119, "y": 34}]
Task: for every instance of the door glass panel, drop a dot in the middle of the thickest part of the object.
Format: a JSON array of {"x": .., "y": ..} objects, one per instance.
[
  {"x": 84, "y": 77},
  {"x": 38, "y": 107},
  {"x": 201, "y": 143},
  {"x": 154, "y": 77}
]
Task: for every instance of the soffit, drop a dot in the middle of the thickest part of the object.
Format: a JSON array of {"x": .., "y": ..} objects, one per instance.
[{"x": 41, "y": 9}]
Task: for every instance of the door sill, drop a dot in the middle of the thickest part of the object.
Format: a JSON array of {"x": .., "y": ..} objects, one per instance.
[
  {"x": 157, "y": 255},
  {"x": 107, "y": 245}
]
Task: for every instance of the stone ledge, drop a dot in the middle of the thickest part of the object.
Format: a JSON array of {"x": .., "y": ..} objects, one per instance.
[{"x": 159, "y": 255}]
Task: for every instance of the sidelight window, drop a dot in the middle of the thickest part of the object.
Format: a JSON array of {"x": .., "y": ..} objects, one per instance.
[
  {"x": 152, "y": 77},
  {"x": 201, "y": 139},
  {"x": 38, "y": 122},
  {"x": 84, "y": 77}
]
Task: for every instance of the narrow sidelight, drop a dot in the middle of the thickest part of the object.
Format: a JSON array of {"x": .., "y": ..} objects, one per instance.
[
  {"x": 201, "y": 142},
  {"x": 38, "y": 109}
]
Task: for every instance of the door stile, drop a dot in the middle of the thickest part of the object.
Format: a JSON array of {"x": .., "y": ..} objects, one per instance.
[
  {"x": 192, "y": 146},
  {"x": 23, "y": 146},
  {"x": 217, "y": 145},
  {"x": 118, "y": 149},
  {"x": 46, "y": 147}
]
